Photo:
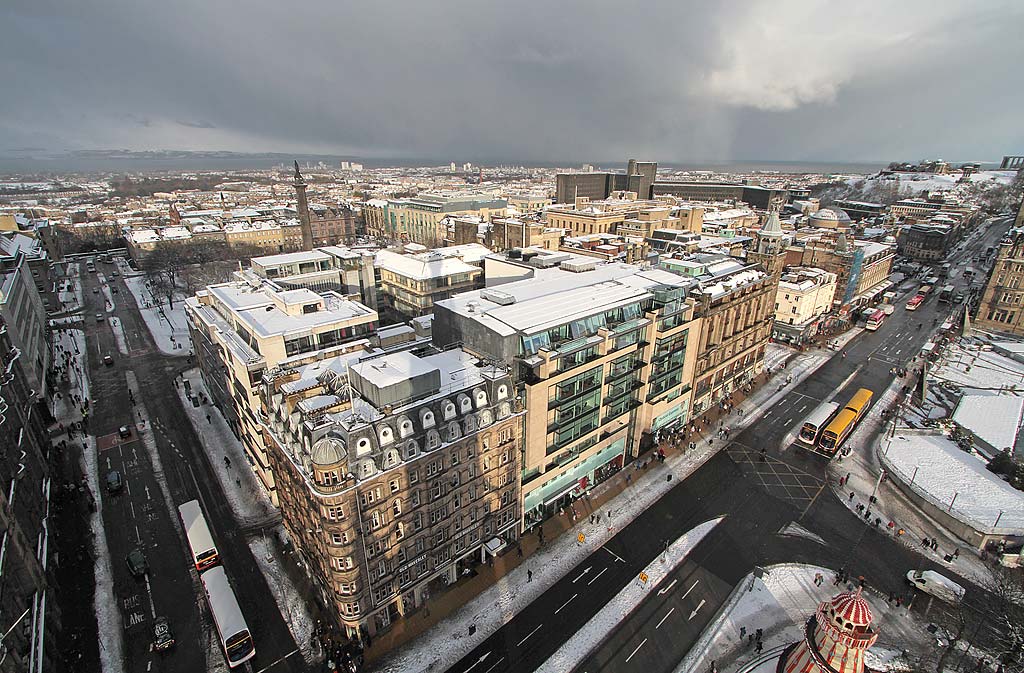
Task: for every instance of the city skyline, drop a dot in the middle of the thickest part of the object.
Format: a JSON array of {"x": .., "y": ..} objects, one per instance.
[{"x": 793, "y": 82}]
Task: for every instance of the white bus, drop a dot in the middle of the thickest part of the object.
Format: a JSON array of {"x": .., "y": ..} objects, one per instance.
[
  {"x": 816, "y": 422},
  {"x": 200, "y": 542},
  {"x": 235, "y": 639}
]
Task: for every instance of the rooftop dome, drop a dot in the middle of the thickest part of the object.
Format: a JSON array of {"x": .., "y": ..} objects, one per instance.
[
  {"x": 328, "y": 451},
  {"x": 830, "y": 215},
  {"x": 852, "y": 608}
]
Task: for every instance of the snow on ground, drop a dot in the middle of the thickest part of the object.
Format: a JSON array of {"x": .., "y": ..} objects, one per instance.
[
  {"x": 780, "y": 605},
  {"x": 915, "y": 183},
  {"x": 248, "y": 500},
  {"x": 108, "y": 618},
  {"x": 293, "y": 608},
  {"x": 251, "y": 505},
  {"x": 975, "y": 365},
  {"x": 118, "y": 329},
  {"x": 939, "y": 471},
  {"x": 793, "y": 529},
  {"x": 575, "y": 650},
  {"x": 168, "y": 326},
  {"x": 107, "y": 295}
]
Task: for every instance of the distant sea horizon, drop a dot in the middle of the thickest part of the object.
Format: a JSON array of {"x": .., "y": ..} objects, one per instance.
[{"x": 155, "y": 162}]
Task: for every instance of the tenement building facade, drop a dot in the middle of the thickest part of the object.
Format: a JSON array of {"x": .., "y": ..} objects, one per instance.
[
  {"x": 395, "y": 473},
  {"x": 1002, "y": 303},
  {"x": 242, "y": 328},
  {"x": 605, "y": 355}
]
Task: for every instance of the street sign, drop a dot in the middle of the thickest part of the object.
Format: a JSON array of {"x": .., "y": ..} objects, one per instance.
[
  {"x": 643, "y": 578},
  {"x": 581, "y": 538}
]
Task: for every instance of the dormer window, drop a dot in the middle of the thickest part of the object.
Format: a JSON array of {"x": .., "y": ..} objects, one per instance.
[
  {"x": 405, "y": 428},
  {"x": 481, "y": 398},
  {"x": 448, "y": 411},
  {"x": 310, "y": 308},
  {"x": 363, "y": 446},
  {"x": 502, "y": 391},
  {"x": 465, "y": 406},
  {"x": 427, "y": 417},
  {"x": 387, "y": 435},
  {"x": 452, "y": 432}
]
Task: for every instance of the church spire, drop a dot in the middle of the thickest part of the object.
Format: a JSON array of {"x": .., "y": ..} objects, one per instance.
[{"x": 299, "y": 183}]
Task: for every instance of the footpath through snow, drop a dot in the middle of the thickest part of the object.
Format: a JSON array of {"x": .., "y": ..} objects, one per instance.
[{"x": 168, "y": 326}]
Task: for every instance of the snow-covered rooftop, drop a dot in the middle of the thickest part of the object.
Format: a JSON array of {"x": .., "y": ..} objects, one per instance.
[
  {"x": 941, "y": 471},
  {"x": 994, "y": 418}
]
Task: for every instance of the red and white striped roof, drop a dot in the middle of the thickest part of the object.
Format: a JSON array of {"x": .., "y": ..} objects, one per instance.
[{"x": 851, "y": 607}]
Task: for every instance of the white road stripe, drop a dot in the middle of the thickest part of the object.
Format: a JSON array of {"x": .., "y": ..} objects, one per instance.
[
  {"x": 528, "y": 635},
  {"x": 596, "y": 576},
  {"x": 566, "y": 603},
  {"x": 636, "y": 650},
  {"x": 664, "y": 618}
]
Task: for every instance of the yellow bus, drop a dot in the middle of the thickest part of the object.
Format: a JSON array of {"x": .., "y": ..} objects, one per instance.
[{"x": 842, "y": 425}]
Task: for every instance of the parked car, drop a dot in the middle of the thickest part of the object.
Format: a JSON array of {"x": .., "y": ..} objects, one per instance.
[
  {"x": 114, "y": 482},
  {"x": 937, "y": 585},
  {"x": 115, "y": 274},
  {"x": 136, "y": 561},
  {"x": 99, "y": 317},
  {"x": 162, "y": 636},
  {"x": 108, "y": 361},
  {"x": 124, "y": 431},
  {"x": 95, "y": 290}
]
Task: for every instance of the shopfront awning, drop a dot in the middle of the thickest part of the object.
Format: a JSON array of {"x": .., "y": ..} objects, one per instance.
[{"x": 495, "y": 545}]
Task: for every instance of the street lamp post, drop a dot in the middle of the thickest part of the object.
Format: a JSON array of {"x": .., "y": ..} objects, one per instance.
[
  {"x": 914, "y": 476},
  {"x": 997, "y": 519}
]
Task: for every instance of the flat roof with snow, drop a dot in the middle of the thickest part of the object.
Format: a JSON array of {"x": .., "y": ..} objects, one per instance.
[{"x": 941, "y": 471}]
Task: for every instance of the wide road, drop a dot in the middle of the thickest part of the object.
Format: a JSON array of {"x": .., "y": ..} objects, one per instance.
[
  {"x": 144, "y": 514},
  {"x": 759, "y": 498}
]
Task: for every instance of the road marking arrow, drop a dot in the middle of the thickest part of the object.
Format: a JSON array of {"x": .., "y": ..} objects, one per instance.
[
  {"x": 148, "y": 497},
  {"x": 585, "y": 571},
  {"x": 696, "y": 609},
  {"x": 662, "y": 592},
  {"x": 689, "y": 590},
  {"x": 478, "y": 661}
]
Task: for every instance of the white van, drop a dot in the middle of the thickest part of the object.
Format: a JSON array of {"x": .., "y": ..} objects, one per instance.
[{"x": 937, "y": 585}]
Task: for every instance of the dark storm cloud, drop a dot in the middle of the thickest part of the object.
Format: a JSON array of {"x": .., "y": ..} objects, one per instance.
[{"x": 560, "y": 81}]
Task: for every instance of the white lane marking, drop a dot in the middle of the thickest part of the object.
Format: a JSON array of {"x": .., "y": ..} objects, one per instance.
[
  {"x": 528, "y": 635},
  {"x": 275, "y": 663},
  {"x": 689, "y": 590},
  {"x": 481, "y": 660},
  {"x": 594, "y": 579},
  {"x": 494, "y": 665},
  {"x": 664, "y": 618},
  {"x": 619, "y": 558},
  {"x": 566, "y": 603},
  {"x": 636, "y": 650},
  {"x": 131, "y": 506},
  {"x": 582, "y": 574},
  {"x": 697, "y": 609},
  {"x": 138, "y": 535},
  {"x": 149, "y": 593}
]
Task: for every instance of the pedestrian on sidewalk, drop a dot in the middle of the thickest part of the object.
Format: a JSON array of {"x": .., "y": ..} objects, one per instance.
[
  {"x": 758, "y": 647},
  {"x": 956, "y": 553},
  {"x": 851, "y": 496},
  {"x": 529, "y": 575},
  {"x": 592, "y": 518},
  {"x": 743, "y": 632}
]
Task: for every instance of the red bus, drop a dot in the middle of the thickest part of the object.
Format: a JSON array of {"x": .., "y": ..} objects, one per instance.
[
  {"x": 875, "y": 320},
  {"x": 915, "y": 303}
]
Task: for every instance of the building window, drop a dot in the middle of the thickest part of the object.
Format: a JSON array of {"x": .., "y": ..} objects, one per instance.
[
  {"x": 394, "y": 485},
  {"x": 335, "y": 512},
  {"x": 396, "y": 507}
]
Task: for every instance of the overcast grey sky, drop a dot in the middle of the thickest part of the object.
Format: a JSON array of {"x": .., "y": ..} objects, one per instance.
[{"x": 556, "y": 80}]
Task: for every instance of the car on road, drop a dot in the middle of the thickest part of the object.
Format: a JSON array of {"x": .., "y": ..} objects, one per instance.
[
  {"x": 136, "y": 561},
  {"x": 99, "y": 317},
  {"x": 936, "y": 584},
  {"x": 162, "y": 636},
  {"x": 115, "y": 274},
  {"x": 124, "y": 432},
  {"x": 114, "y": 482},
  {"x": 113, "y": 289},
  {"x": 95, "y": 290},
  {"x": 108, "y": 361}
]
